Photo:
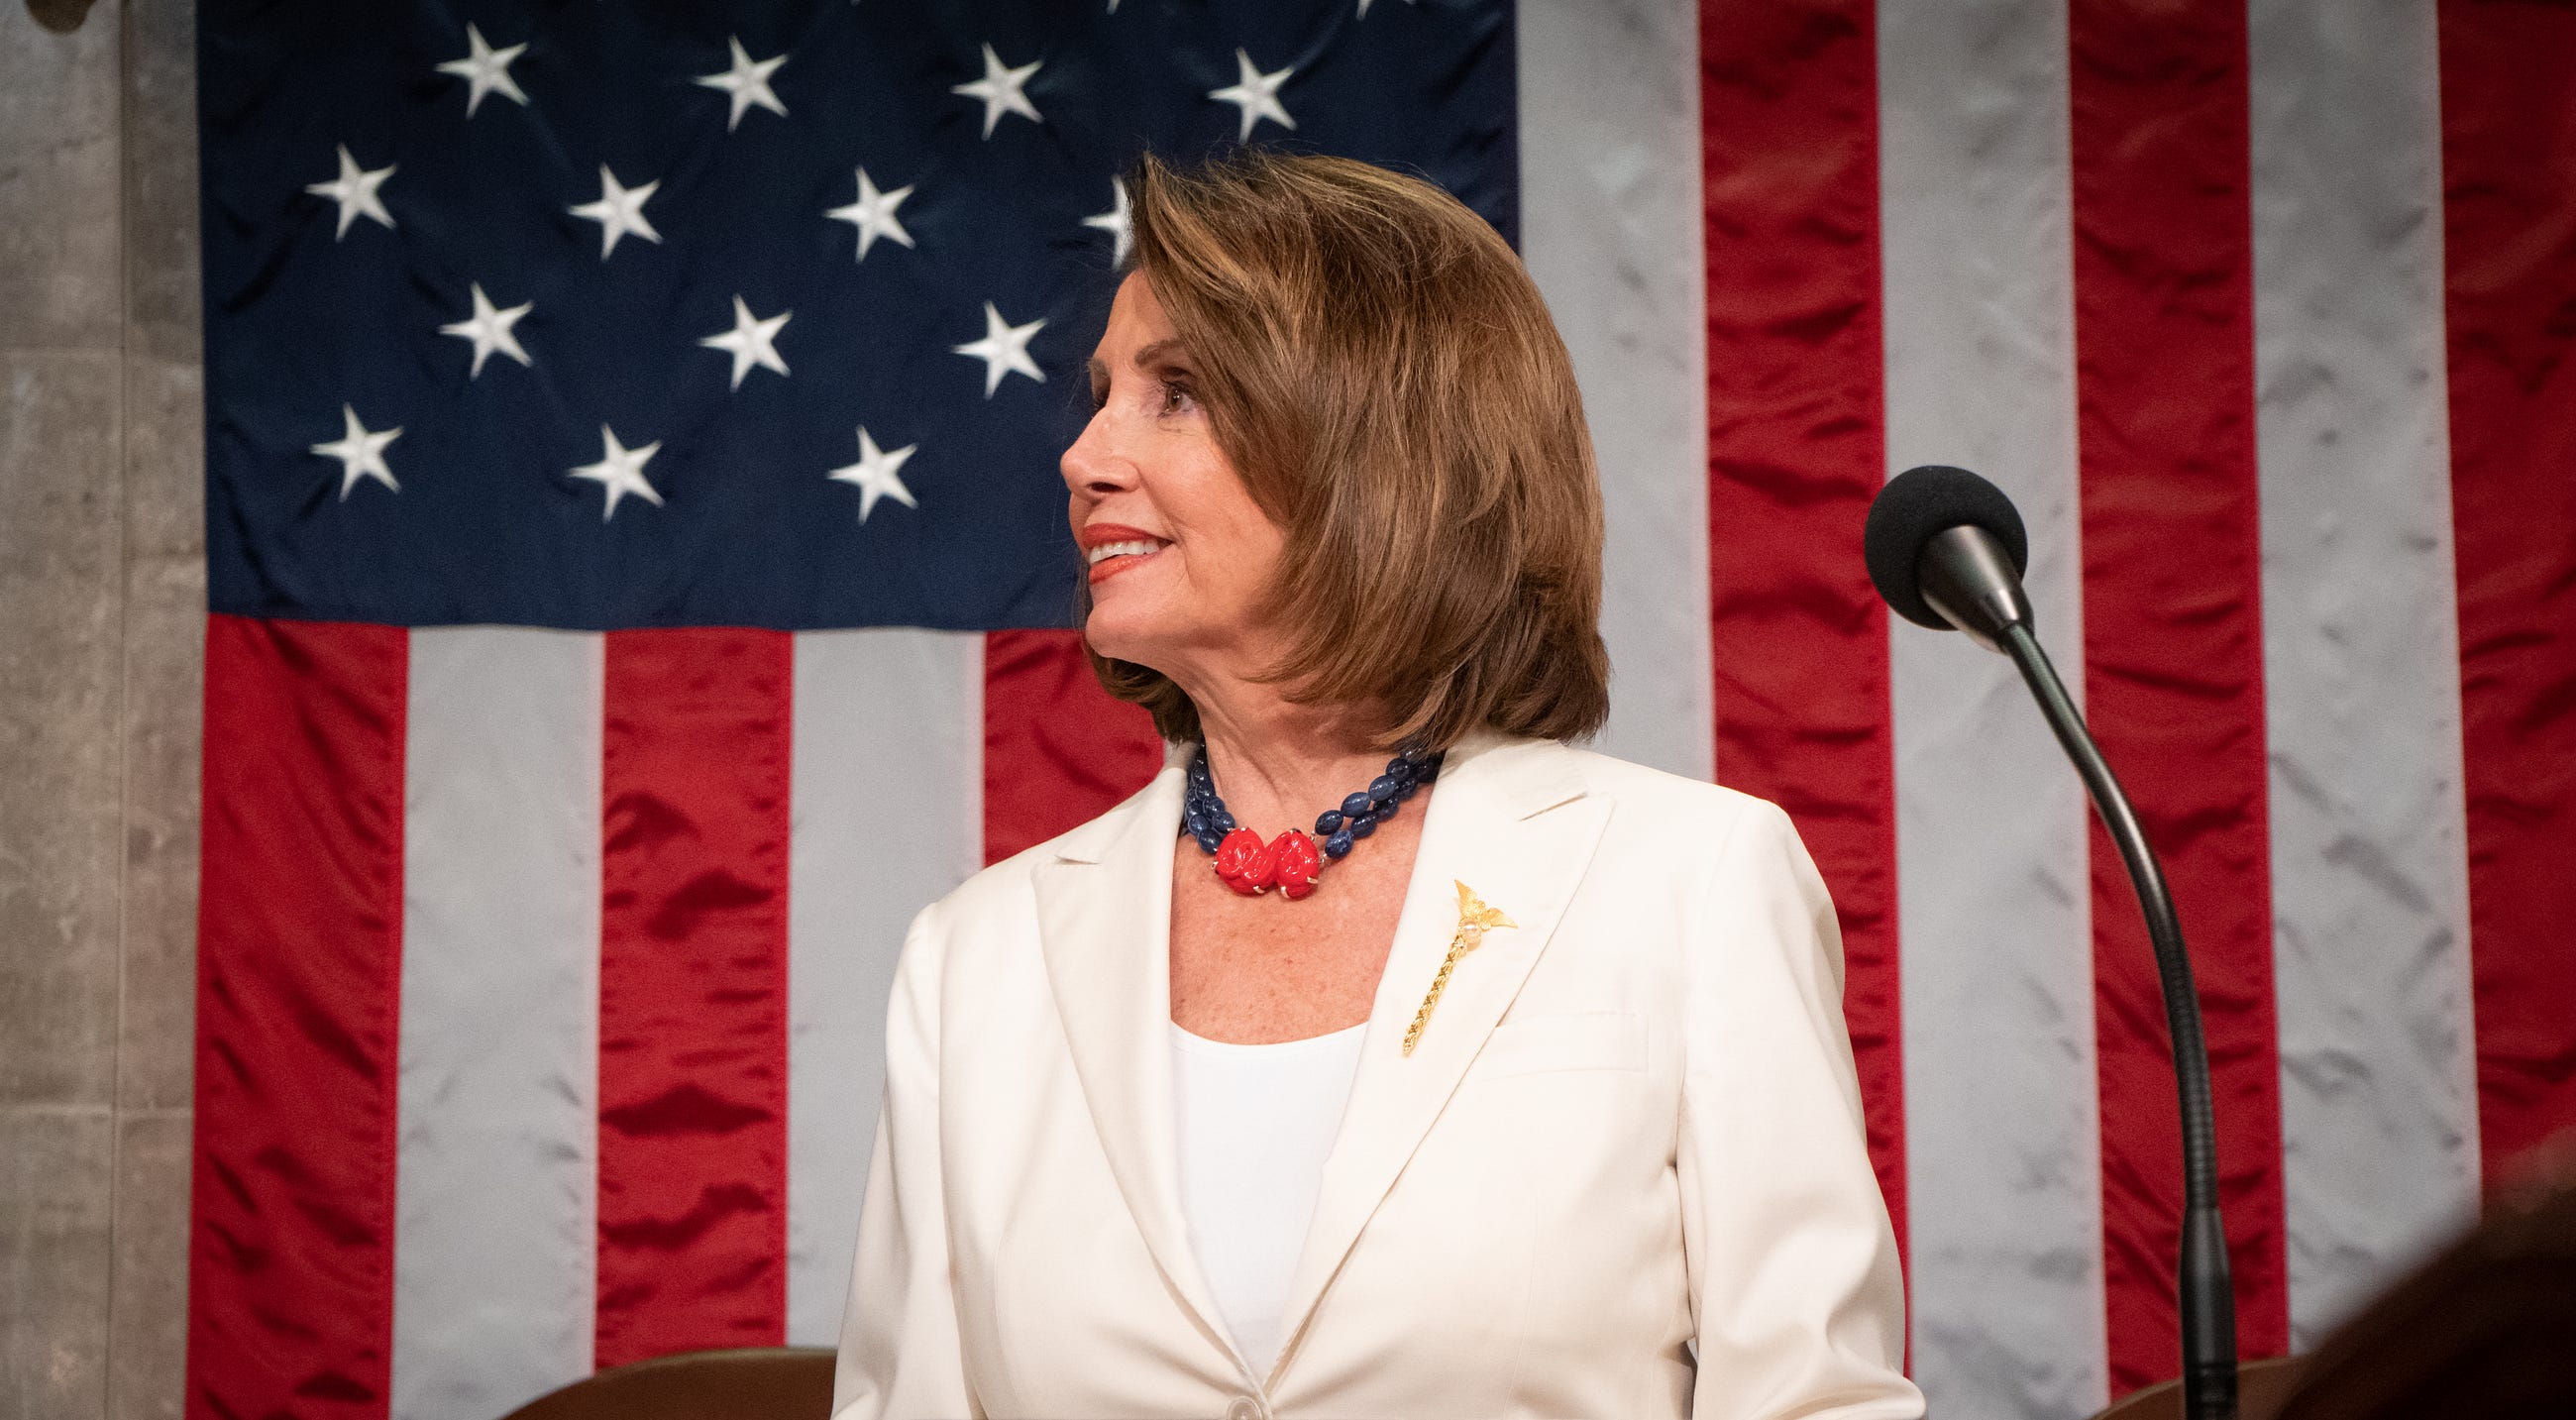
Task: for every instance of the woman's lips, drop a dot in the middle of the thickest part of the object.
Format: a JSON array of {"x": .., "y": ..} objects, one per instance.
[{"x": 1111, "y": 548}]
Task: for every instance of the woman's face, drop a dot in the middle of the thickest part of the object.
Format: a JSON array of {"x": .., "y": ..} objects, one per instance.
[{"x": 1179, "y": 553}]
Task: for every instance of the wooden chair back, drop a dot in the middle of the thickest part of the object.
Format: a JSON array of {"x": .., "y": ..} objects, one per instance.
[
  {"x": 767, "y": 1383},
  {"x": 2261, "y": 1389}
]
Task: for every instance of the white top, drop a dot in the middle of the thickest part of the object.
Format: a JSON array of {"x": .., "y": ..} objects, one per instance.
[{"x": 1255, "y": 1122}]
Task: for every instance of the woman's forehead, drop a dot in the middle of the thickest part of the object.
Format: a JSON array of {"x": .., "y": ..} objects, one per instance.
[
  {"x": 1135, "y": 314},
  {"x": 1139, "y": 333}
]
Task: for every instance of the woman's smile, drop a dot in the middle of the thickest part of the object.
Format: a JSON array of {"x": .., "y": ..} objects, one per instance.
[{"x": 1112, "y": 548}]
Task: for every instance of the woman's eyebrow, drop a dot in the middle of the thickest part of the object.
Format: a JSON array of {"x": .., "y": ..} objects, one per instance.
[{"x": 1161, "y": 352}]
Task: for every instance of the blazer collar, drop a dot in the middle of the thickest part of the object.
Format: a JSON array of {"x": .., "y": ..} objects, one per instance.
[{"x": 1511, "y": 818}]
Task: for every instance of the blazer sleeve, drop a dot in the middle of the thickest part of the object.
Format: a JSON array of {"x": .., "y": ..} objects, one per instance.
[
  {"x": 900, "y": 1357},
  {"x": 1796, "y": 1295}
]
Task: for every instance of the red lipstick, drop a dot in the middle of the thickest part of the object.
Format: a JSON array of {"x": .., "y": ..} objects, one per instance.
[{"x": 1094, "y": 534}]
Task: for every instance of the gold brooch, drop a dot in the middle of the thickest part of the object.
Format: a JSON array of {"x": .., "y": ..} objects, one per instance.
[{"x": 1475, "y": 919}]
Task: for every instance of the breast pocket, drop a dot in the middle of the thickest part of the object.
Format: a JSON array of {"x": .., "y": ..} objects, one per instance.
[{"x": 1579, "y": 1040}]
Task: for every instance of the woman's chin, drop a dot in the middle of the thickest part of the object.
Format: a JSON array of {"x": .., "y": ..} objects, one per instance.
[{"x": 1122, "y": 634}]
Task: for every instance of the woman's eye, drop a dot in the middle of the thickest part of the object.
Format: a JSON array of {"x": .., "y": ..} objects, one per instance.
[{"x": 1176, "y": 397}]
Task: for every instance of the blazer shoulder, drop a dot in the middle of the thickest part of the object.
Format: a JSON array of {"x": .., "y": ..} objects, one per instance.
[
  {"x": 996, "y": 890},
  {"x": 1667, "y": 801},
  {"x": 1004, "y": 888}
]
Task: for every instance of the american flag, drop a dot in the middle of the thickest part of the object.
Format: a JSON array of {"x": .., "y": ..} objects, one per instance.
[{"x": 637, "y": 579}]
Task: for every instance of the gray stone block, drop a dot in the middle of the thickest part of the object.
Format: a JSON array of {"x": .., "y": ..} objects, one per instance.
[
  {"x": 59, "y": 659},
  {"x": 165, "y": 640},
  {"x": 148, "y": 1342},
  {"x": 60, "y": 284},
  {"x": 55, "y": 1166},
  {"x": 161, "y": 254}
]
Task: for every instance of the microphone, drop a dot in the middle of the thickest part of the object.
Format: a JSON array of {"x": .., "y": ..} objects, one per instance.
[{"x": 1946, "y": 549}]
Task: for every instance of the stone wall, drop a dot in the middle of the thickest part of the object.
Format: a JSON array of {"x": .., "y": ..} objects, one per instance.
[{"x": 102, "y": 616}]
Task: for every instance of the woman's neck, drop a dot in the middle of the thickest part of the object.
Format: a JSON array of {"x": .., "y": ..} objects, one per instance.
[{"x": 1278, "y": 764}]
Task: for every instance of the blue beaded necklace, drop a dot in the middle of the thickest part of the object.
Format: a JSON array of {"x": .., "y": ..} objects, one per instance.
[{"x": 1291, "y": 862}]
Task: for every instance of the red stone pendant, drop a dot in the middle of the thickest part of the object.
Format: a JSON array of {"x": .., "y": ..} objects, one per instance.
[
  {"x": 1245, "y": 863},
  {"x": 1251, "y": 867},
  {"x": 1295, "y": 863}
]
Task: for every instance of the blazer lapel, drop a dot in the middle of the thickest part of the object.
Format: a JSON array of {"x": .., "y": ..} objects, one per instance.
[
  {"x": 1510, "y": 818},
  {"x": 1105, "y": 927}
]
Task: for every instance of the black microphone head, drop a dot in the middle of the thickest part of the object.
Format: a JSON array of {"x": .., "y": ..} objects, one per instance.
[{"x": 1918, "y": 505}]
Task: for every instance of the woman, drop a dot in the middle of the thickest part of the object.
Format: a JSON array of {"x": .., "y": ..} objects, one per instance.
[{"x": 1519, "y": 1085}]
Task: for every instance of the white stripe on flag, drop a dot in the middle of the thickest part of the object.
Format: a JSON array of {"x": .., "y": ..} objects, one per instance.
[
  {"x": 495, "y": 1188},
  {"x": 887, "y": 816},
  {"x": 2000, "y": 1093},
  {"x": 1610, "y": 223},
  {"x": 2360, "y": 647}
]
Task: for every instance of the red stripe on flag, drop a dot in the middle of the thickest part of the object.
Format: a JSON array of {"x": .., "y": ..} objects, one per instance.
[
  {"x": 693, "y": 992},
  {"x": 2173, "y": 638},
  {"x": 2509, "y": 258},
  {"x": 1789, "y": 148},
  {"x": 1057, "y": 749},
  {"x": 299, "y": 975}
]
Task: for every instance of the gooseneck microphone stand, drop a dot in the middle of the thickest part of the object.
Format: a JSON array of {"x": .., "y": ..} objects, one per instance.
[
  {"x": 1947, "y": 549},
  {"x": 2208, "y": 1301}
]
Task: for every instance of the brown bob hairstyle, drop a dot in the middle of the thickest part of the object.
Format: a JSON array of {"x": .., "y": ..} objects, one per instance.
[{"x": 1384, "y": 378}]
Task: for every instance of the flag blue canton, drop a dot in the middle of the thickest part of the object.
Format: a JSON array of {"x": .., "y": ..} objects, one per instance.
[{"x": 666, "y": 301}]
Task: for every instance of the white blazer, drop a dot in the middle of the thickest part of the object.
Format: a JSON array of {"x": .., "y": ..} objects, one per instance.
[{"x": 1630, "y": 1124}]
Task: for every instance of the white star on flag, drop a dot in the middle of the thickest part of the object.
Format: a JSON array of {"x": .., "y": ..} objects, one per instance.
[
  {"x": 875, "y": 474},
  {"x": 618, "y": 211},
  {"x": 1004, "y": 349},
  {"x": 620, "y": 470},
  {"x": 1000, "y": 90},
  {"x": 748, "y": 82},
  {"x": 355, "y": 191},
  {"x": 873, "y": 214},
  {"x": 749, "y": 342},
  {"x": 1257, "y": 94},
  {"x": 489, "y": 329},
  {"x": 1116, "y": 222},
  {"x": 1364, "y": 4},
  {"x": 361, "y": 454},
  {"x": 485, "y": 70}
]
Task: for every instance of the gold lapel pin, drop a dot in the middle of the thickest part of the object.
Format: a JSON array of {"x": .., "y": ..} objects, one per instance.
[{"x": 1475, "y": 919}]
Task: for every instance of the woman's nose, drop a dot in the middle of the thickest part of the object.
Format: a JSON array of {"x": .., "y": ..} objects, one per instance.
[{"x": 1092, "y": 466}]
